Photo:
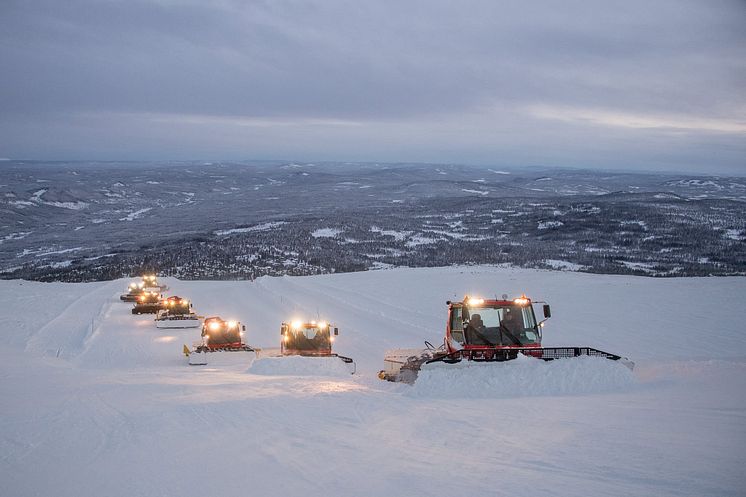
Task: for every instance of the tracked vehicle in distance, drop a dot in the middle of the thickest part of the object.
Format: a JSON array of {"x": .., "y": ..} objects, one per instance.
[
  {"x": 134, "y": 290},
  {"x": 311, "y": 339},
  {"x": 222, "y": 343},
  {"x": 151, "y": 284},
  {"x": 148, "y": 303},
  {"x": 176, "y": 312}
]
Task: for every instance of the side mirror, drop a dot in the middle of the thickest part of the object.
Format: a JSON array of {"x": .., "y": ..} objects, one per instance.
[
  {"x": 336, "y": 331},
  {"x": 243, "y": 326},
  {"x": 547, "y": 311}
]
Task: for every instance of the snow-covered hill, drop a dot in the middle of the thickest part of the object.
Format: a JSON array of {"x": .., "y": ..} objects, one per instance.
[{"x": 96, "y": 401}]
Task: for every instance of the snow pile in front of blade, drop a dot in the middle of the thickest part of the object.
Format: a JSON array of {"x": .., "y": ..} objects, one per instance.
[
  {"x": 299, "y": 366},
  {"x": 522, "y": 377},
  {"x": 223, "y": 358}
]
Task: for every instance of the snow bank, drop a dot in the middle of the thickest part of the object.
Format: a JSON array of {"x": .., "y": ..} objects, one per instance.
[
  {"x": 326, "y": 233},
  {"x": 300, "y": 366},
  {"x": 478, "y": 192},
  {"x": 398, "y": 235},
  {"x": 523, "y": 377},
  {"x": 135, "y": 215},
  {"x": 545, "y": 225},
  {"x": 563, "y": 265},
  {"x": 258, "y": 227}
]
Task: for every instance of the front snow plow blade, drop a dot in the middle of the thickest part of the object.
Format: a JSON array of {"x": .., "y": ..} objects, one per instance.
[
  {"x": 303, "y": 365},
  {"x": 220, "y": 357},
  {"x": 175, "y": 322},
  {"x": 404, "y": 364},
  {"x": 405, "y": 369}
]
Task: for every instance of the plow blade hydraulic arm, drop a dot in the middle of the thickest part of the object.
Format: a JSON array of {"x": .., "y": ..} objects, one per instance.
[{"x": 347, "y": 360}]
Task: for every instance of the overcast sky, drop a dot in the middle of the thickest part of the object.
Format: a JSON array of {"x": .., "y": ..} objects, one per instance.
[{"x": 634, "y": 84}]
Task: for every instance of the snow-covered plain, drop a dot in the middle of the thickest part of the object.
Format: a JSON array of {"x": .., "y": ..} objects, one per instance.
[{"x": 96, "y": 401}]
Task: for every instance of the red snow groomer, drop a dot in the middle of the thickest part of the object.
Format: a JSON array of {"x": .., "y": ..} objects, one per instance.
[
  {"x": 486, "y": 330},
  {"x": 176, "y": 312},
  {"x": 134, "y": 290},
  {"x": 310, "y": 338},
  {"x": 219, "y": 336},
  {"x": 150, "y": 281}
]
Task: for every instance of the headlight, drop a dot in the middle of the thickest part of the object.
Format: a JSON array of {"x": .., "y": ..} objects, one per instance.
[
  {"x": 474, "y": 301},
  {"x": 521, "y": 300},
  {"x": 232, "y": 324},
  {"x": 322, "y": 325},
  {"x": 297, "y": 324},
  {"x": 214, "y": 326}
]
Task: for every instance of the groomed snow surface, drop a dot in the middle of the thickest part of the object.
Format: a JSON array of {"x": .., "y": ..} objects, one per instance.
[{"x": 96, "y": 401}]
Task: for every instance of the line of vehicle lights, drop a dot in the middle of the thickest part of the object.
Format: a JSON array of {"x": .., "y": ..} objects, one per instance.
[
  {"x": 216, "y": 325},
  {"x": 476, "y": 301},
  {"x": 297, "y": 324}
]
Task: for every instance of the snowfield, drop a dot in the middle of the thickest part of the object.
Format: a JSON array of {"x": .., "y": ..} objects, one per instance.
[{"x": 96, "y": 401}]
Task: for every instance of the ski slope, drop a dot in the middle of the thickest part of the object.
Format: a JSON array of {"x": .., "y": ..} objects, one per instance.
[{"x": 96, "y": 401}]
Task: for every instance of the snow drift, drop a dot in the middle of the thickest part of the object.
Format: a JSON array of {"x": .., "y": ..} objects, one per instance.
[
  {"x": 300, "y": 366},
  {"x": 522, "y": 377}
]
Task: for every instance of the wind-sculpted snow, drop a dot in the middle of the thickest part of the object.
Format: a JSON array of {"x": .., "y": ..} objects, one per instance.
[
  {"x": 300, "y": 366},
  {"x": 523, "y": 377}
]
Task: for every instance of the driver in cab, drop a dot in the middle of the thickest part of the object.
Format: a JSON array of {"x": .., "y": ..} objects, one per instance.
[
  {"x": 477, "y": 333},
  {"x": 513, "y": 329}
]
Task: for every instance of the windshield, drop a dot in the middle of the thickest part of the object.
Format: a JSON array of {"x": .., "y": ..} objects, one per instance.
[
  {"x": 149, "y": 298},
  {"x": 179, "y": 308},
  {"x": 219, "y": 332},
  {"x": 499, "y": 325},
  {"x": 308, "y": 338}
]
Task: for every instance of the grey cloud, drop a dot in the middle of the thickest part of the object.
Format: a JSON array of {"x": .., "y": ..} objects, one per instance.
[{"x": 385, "y": 65}]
